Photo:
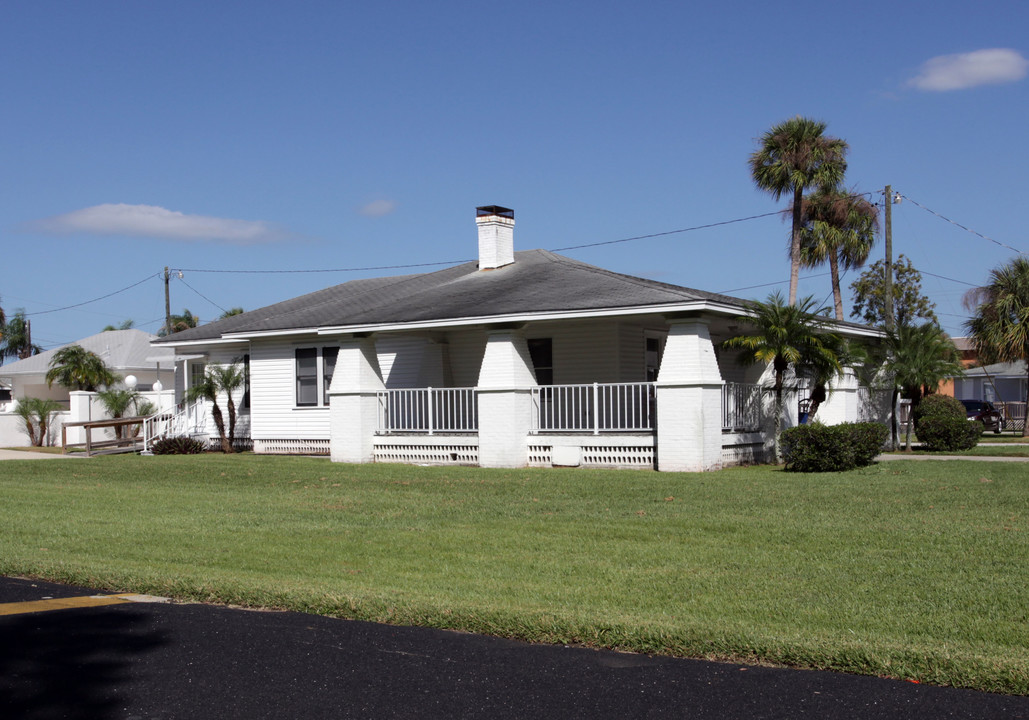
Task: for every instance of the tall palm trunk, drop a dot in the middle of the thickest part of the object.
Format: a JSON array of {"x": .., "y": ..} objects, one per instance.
[
  {"x": 219, "y": 422},
  {"x": 798, "y": 194},
  {"x": 834, "y": 269},
  {"x": 232, "y": 424}
]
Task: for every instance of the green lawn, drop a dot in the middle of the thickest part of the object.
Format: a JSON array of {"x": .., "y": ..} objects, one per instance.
[{"x": 909, "y": 570}]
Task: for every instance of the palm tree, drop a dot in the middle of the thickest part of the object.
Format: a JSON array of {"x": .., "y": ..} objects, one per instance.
[
  {"x": 17, "y": 338},
  {"x": 217, "y": 380},
  {"x": 38, "y": 415},
  {"x": 125, "y": 325},
  {"x": 117, "y": 402},
  {"x": 793, "y": 156},
  {"x": 231, "y": 312},
  {"x": 839, "y": 228},
  {"x": 787, "y": 336},
  {"x": 999, "y": 326},
  {"x": 76, "y": 368},
  {"x": 919, "y": 357},
  {"x": 178, "y": 323}
]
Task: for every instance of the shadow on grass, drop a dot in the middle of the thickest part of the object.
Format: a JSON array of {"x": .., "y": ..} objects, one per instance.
[{"x": 71, "y": 664}]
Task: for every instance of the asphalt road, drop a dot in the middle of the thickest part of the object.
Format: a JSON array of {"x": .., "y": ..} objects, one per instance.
[{"x": 142, "y": 660}]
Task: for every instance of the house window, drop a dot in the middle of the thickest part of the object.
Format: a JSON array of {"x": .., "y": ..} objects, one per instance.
[
  {"x": 307, "y": 377},
  {"x": 245, "y": 403},
  {"x": 541, "y": 350},
  {"x": 654, "y": 343},
  {"x": 329, "y": 356},
  {"x": 197, "y": 371},
  {"x": 314, "y": 369}
]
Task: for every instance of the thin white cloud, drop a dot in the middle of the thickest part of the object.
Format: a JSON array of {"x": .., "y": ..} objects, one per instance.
[
  {"x": 158, "y": 222},
  {"x": 377, "y": 208},
  {"x": 993, "y": 66}
]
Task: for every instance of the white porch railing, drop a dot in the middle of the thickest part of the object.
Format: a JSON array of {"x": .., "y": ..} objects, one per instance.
[
  {"x": 428, "y": 410},
  {"x": 188, "y": 420},
  {"x": 596, "y": 408},
  {"x": 741, "y": 407},
  {"x": 1014, "y": 414}
]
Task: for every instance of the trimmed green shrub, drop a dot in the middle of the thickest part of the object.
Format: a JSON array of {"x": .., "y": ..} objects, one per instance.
[
  {"x": 181, "y": 445},
  {"x": 827, "y": 448},
  {"x": 937, "y": 405},
  {"x": 943, "y": 433},
  {"x": 941, "y": 424},
  {"x": 867, "y": 440}
]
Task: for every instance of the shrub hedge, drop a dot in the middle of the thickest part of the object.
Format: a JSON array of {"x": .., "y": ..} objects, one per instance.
[
  {"x": 942, "y": 432},
  {"x": 180, "y": 445},
  {"x": 828, "y": 448},
  {"x": 941, "y": 424}
]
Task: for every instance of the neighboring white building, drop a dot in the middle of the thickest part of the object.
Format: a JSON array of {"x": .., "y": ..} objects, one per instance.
[
  {"x": 126, "y": 352},
  {"x": 523, "y": 358}
]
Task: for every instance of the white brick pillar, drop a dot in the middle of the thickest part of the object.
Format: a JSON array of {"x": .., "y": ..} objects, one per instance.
[
  {"x": 689, "y": 400},
  {"x": 505, "y": 387},
  {"x": 354, "y": 402}
]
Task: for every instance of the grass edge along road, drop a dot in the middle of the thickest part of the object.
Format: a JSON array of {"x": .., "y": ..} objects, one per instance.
[{"x": 905, "y": 570}]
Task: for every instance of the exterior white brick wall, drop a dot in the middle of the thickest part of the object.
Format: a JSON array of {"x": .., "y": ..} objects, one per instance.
[
  {"x": 354, "y": 402},
  {"x": 505, "y": 400},
  {"x": 689, "y": 400}
]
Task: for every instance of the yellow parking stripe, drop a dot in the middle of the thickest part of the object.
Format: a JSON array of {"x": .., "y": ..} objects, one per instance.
[{"x": 33, "y": 606}]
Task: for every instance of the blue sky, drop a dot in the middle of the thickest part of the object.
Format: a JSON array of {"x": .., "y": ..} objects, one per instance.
[{"x": 226, "y": 136}]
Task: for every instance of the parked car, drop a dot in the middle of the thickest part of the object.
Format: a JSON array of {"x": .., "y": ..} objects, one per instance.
[{"x": 984, "y": 412}]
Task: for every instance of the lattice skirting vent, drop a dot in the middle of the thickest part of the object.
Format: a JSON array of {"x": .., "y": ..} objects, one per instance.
[
  {"x": 292, "y": 447},
  {"x": 239, "y": 445},
  {"x": 608, "y": 456},
  {"x": 539, "y": 455},
  {"x": 747, "y": 454},
  {"x": 431, "y": 454}
]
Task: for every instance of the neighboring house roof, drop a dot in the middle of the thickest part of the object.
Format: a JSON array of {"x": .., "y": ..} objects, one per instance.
[
  {"x": 538, "y": 283},
  {"x": 120, "y": 349},
  {"x": 1011, "y": 369}
]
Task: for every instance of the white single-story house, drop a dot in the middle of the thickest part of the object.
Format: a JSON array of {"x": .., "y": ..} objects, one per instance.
[
  {"x": 520, "y": 359},
  {"x": 126, "y": 352}
]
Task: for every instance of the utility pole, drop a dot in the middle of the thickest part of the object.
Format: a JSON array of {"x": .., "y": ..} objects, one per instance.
[
  {"x": 167, "y": 304},
  {"x": 888, "y": 241}
]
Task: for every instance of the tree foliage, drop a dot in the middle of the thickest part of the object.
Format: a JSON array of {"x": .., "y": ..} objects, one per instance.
[
  {"x": 787, "y": 337},
  {"x": 837, "y": 227},
  {"x": 15, "y": 340},
  {"x": 919, "y": 357},
  {"x": 76, "y": 368},
  {"x": 219, "y": 380},
  {"x": 793, "y": 156},
  {"x": 909, "y": 304},
  {"x": 124, "y": 325},
  {"x": 999, "y": 326},
  {"x": 37, "y": 416},
  {"x": 184, "y": 321}
]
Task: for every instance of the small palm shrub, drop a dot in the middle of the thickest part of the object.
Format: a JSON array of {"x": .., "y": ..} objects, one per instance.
[
  {"x": 941, "y": 424},
  {"x": 180, "y": 445},
  {"x": 831, "y": 448}
]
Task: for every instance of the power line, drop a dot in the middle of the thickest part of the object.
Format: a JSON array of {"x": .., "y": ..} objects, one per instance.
[
  {"x": 202, "y": 295},
  {"x": 102, "y": 297},
  {"x": 957, "y": 224},
  {"x": 669, "y": 232}
]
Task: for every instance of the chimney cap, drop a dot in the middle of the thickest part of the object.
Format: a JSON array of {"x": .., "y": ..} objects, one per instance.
[{"x": 485, "y": 210}]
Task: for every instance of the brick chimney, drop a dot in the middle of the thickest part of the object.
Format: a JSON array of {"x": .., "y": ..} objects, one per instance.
[{"x": 496, "y": 236}]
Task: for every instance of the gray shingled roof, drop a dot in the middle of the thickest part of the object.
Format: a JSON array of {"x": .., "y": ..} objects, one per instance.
[
  {"x": 120, "y": 349},
  {"x": 537, "y": 282}
]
